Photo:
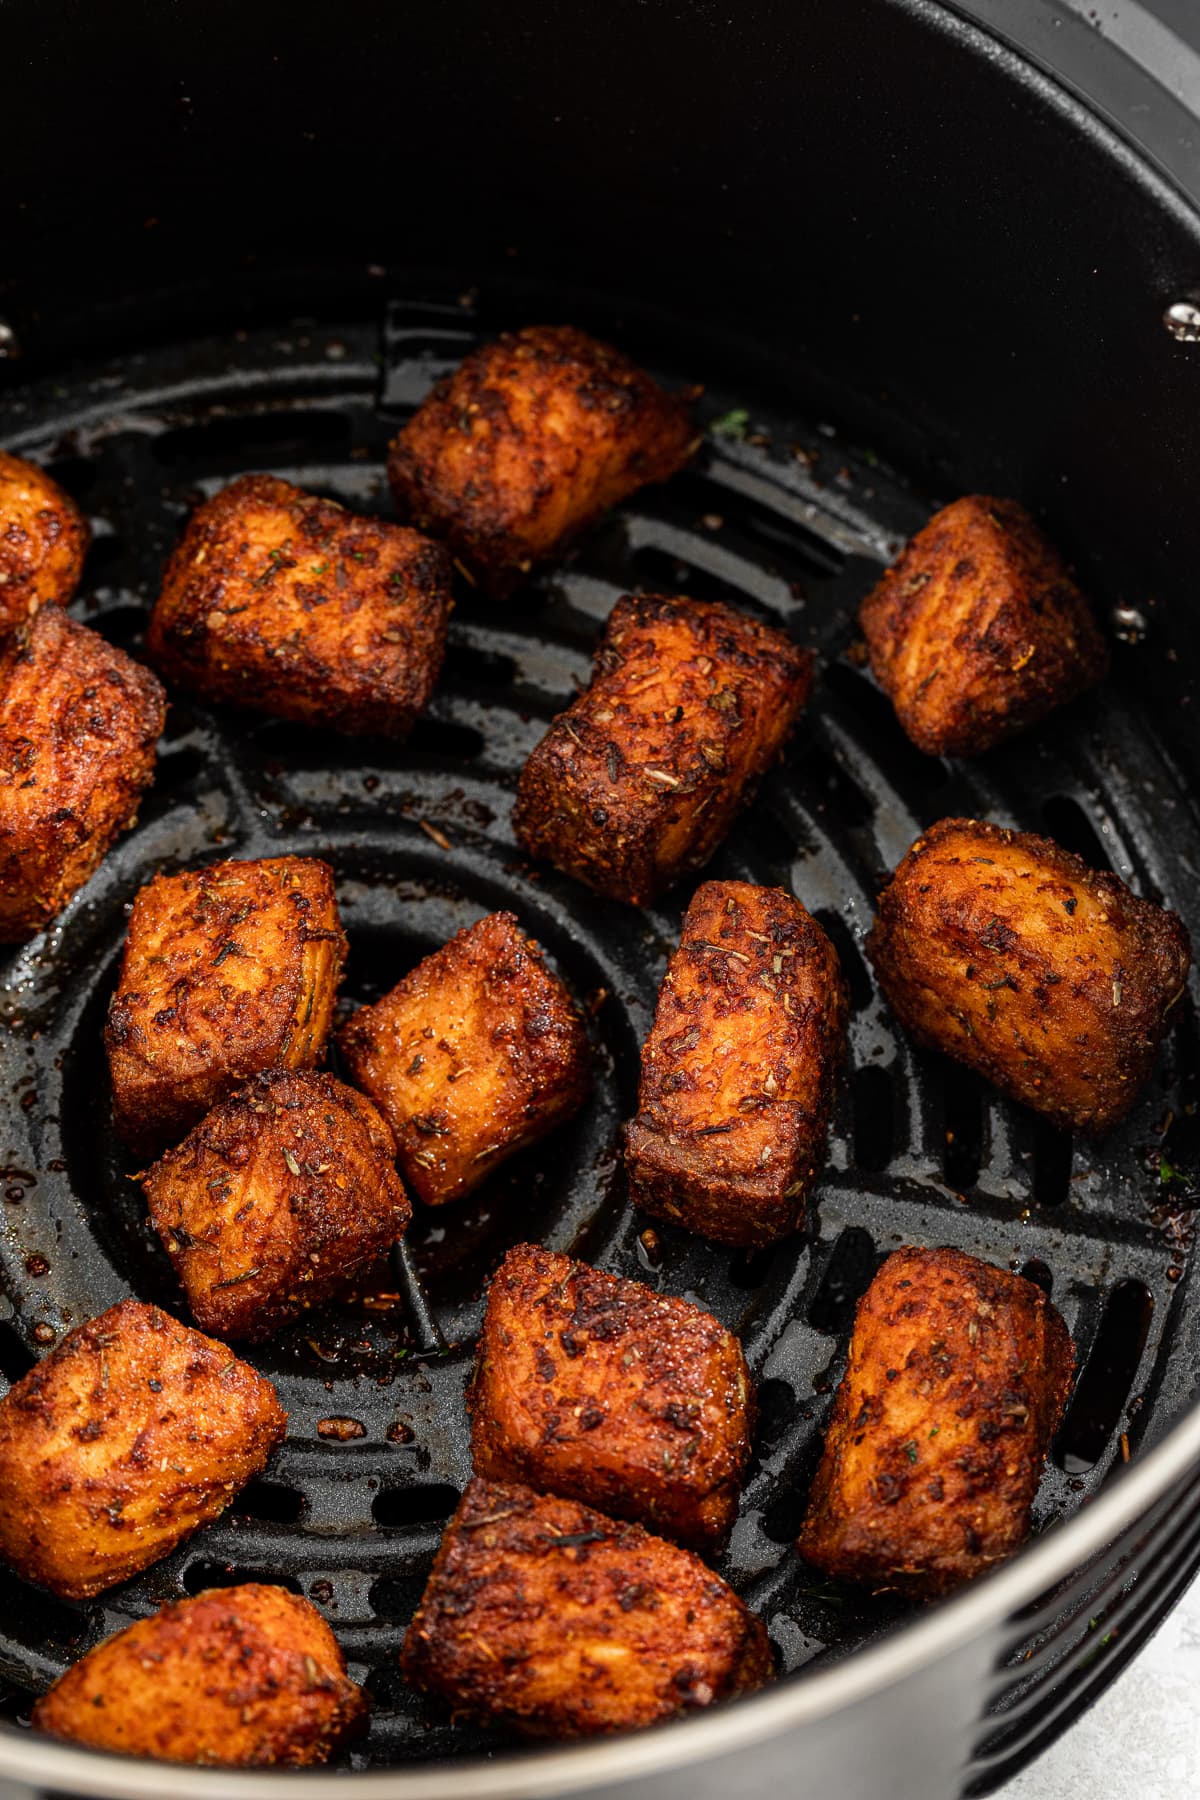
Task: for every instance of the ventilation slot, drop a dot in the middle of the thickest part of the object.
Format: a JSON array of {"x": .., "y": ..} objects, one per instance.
[
  {"x": 776, "y": 1410},
  {"x": 834, "y": 794},
  {"x": 469, "y": 666},
  {"x": 1070, "y": 826},
  {"x": 388, "y": 1689},
  {"x": 77, "y": 474},
  {"x": 782, "y": 1520},
  {"x": 915, "y": 775},
  {"x": 272, "y": 1502},
  {"x": 1107, "y": 1378},
  {"x": 179, "y": 769},
  {"x": 443, "y": 738},
  {"x": 37, "y": 1619},
  {"x": 395, "y": 1596},
  {"x": 426, "y": 1505},
  {"x": 104, "y": 559},
  {"x": 123, "y": 625},
  {"x": 850, "y": 956},
  {"x": 847, "y": 1277},
  {"x": 874, "y": 1118},
  {"x": 16, "y": 1359},
  {"x": 199, "y": 1576},
  {"x": 1052, "y": 1160},
  {"x": 1035, "y": 1270},
  {"x": 247, "y": 439},
  {"x": 962, "y": 1114},
  {"x": 750, "y": 1268}
]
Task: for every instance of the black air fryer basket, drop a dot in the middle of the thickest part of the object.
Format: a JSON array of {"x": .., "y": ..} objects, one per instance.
[{"x": 925, "y": 251}]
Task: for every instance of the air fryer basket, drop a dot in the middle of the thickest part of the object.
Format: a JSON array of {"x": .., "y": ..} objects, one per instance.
[{"x": 949, "y": 337}]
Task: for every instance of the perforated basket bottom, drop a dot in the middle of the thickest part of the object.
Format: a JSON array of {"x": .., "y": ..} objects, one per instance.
[{"x": 790, "y": 523}]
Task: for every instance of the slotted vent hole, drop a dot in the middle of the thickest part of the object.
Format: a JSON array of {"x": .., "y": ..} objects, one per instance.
[
  {"x": 387, "y": 1688},
  {"x": 78, "y": 474},
  {"x": 395, "y": 1596},
  {"x": 198, "y": 1577},
  {"x": 475, "y": 667},
  {"x": 427, "y": 1504},
  {"x": 874, "y": 1118},
  {"x": 179, "y": 768},
  {"x": 271, "y": 1501},
  {"x": 16, "y": 1358},
  {"x": 1052, "y": 1162},
  {"x": 104, "y": 559},
  {"x": 247, "y": 439},
  {"x": 1035, "y": 1270},
  {"x": 914, "y": 774},
  {"x": 1108, "y": 1375},
  {"x": 848, "y": 1274},
  {"x": 776, "y": 1409},
  {"x": 444, "y": 738},
  {"x": 38, "y": 1619},
  {"x": 782, "y": 1520},
  {"x": 850, "y": 956},
  {"x": 749, "y": 1268},
  {"x": 1069, "y": 825},
  {"x": 123, "y": 625},
  {"x": 963, "y": 1122},
  {"x": 832, "y": 791}
]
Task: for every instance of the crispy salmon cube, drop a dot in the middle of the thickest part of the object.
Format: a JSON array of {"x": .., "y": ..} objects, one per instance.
[
  {"x": 43, "y": 540},
  {"x": 479, "y": 1051},
  {"x": 978, "y": 631},
  {"x": 276, "y": 1200},
  {"x": 277, "y": 600},
  {"x": 1011, "y": 955},
  {"x": 552, "y": 1619},
  {"x": 957, "y": 1380},
  {"x": 121, "y": 1443},
  {"x": 604, "y": 1391},
  {"x": 738, "y": 1071},
  {"x": 528, "y": 441},
  {"x": 228, "y": 970},
  {"x": 79, "y": 722},
  {"x": 639, "y": 780},
  {"x": 246, "y": 1677}
]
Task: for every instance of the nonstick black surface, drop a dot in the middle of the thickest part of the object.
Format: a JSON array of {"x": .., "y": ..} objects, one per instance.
[{"x": 781, "y": 517}]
